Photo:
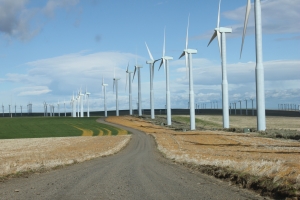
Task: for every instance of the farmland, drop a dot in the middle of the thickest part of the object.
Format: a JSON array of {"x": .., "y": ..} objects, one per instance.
[
  {"x": 40, "y": 127},
  {"x": 34, "y": 144},
  {"x": 266, "y": 164}
]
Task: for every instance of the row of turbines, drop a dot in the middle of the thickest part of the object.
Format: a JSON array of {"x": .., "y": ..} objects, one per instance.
[
  {"x": 220, "y": 33},
  {"x": 10, "y": 109}
]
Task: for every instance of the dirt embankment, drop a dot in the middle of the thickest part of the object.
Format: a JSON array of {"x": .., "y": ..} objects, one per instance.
[{"x": 270, "y": 166}]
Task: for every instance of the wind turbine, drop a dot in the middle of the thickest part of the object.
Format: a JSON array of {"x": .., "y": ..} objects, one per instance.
[
  {"x": 259, "y": 68},
  {"x": 165, "y": 62},
  {"x": 115, "y": 83},
  {"x": 87, "y": 95},
  {"x": 81, "y": 102},
  {"x": 104, "y": 90},
  {"x": 151, "y": 66},
  {"x": 65, "y": 108},
  {"x": 58, "y": 108},
  {"x": 128, "y": 76},
  {"x": 138, "y": 67},
  {"x": 222, "y": 47},
  {"x": 188, "y": 61}
]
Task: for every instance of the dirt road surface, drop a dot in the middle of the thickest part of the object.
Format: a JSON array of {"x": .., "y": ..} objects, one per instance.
[{"x": 137, "y": 172}]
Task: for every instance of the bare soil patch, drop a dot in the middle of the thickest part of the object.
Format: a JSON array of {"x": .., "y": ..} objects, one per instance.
[
  {"x": 34, "y": 154},
  {"x": 268, "y": 165}
]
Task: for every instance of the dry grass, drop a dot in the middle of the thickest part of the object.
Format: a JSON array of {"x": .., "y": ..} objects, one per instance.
[
  {"x": 263, "y": 157},
  {"x": 272, "y": 122},
  {"x": 17, "y": 155}
]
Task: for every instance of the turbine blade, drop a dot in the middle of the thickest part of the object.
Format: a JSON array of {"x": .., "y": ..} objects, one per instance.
[
  {"x": 164, "y": 46},
  {"x": 161, "y": 63},
  {"x": 212, "y": 38},
  {"x": 127, "y": 67},
  {"x": 114, "y": 86},
  {"x": 186, "y": 64},
  {"x": 187, "y": 33},
  {"x": 102, "y": 80},
  {"x": 183, "y": 53},
  {"x": 126, "y": 81},
  {"x": 219, "y": 42},
  {"x": 134, "y": 73},
  {"x": 114, "y": 73},
  {"x": 248, "y": 8},
  {"x": 218, "y": 23},
  {"x": 150, "y": 55}
]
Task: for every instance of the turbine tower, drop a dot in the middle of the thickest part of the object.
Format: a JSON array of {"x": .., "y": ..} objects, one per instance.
[
  {"x": 165, "y": 62},
  {"x": 104, "y": 91},
  {"x": 128, "y": 76},
  {"x": 81, "y": 102},
  {"x": 87, "y": 95},
  {"x": 151, "y": 66},
  {"x": 115, "y": 83},
  {"x": 222, "y": 47},
  {"x": 58, "y": 109},
  {"x": 138, "y": 67},
  {"x": 259, "y": 69},
  {"x": 188, "y": 61}
]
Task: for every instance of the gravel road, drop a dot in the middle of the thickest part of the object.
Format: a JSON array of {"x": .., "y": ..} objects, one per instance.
[{"x": 137, "y": 172}]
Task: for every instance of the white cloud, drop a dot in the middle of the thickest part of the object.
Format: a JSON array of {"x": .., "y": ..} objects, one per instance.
[
  {"x": 278, "y": 17},
  {"x": 19, "y": 21},
  {"x": 32, "y": 91}
]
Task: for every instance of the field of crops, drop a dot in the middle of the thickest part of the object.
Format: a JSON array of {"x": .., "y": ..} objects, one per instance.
[{"x": 54, "y": 127}]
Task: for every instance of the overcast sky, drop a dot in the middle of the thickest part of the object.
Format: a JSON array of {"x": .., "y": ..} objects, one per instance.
[{"x": 51, "y": 48}]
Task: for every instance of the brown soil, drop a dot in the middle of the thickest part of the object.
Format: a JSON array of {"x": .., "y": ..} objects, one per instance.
[{"x": 269, "y": 165}]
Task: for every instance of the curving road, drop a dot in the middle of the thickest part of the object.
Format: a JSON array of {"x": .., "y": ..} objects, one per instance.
[{"x": 137, "y": 172}]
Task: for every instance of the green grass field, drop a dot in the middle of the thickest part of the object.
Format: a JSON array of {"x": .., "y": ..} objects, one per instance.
[{"x": 54, "y": 127}]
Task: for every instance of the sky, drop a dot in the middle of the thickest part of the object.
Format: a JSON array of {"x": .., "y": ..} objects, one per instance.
[{"x": 49, "y": 49}]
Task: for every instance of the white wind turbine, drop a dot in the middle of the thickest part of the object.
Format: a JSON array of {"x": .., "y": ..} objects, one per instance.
[
  {"x": 222, "y": 47},
  {"x": 188, "y": 61},
  {"x": 73, "y": 102},
  {"x": 151, "y": 66},
  {"x": 138, "y": 67},
  {"x": 115, "y": 83},
  {"x": 87, "y": 95},
  {"x": 259, "y": 69},
  {"x": 165, "y": 62},
  {"x": 128, "y": 76},
  {"x": 58, "y": 109},
  {"x": 81, "y": 102},
  {"x": 104, "y": 91}
]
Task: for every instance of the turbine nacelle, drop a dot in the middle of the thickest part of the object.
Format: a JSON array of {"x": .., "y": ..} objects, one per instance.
[
  {"x": 224, "y": 30},
  {"x": 167, "y": 58}
]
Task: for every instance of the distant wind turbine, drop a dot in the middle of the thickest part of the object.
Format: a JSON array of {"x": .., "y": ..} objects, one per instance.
[
  {"x": 80, "y": 95},
  {"x": 222, "y": 47},
  {"x": 104, "y": 91},
  {"x": 151, "y": 66},
  {"x": 115, "y": 83},
  {"x": 58, "y": 109},
  {"x": 165, "y": 61},
  {"x": 87, "y": 95},
  {"x": 138, "y": 67},
  {"x": 259, "y": 69},
  {"x": 128, "y": 79},
  {"x": 188, "y": 61}
]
